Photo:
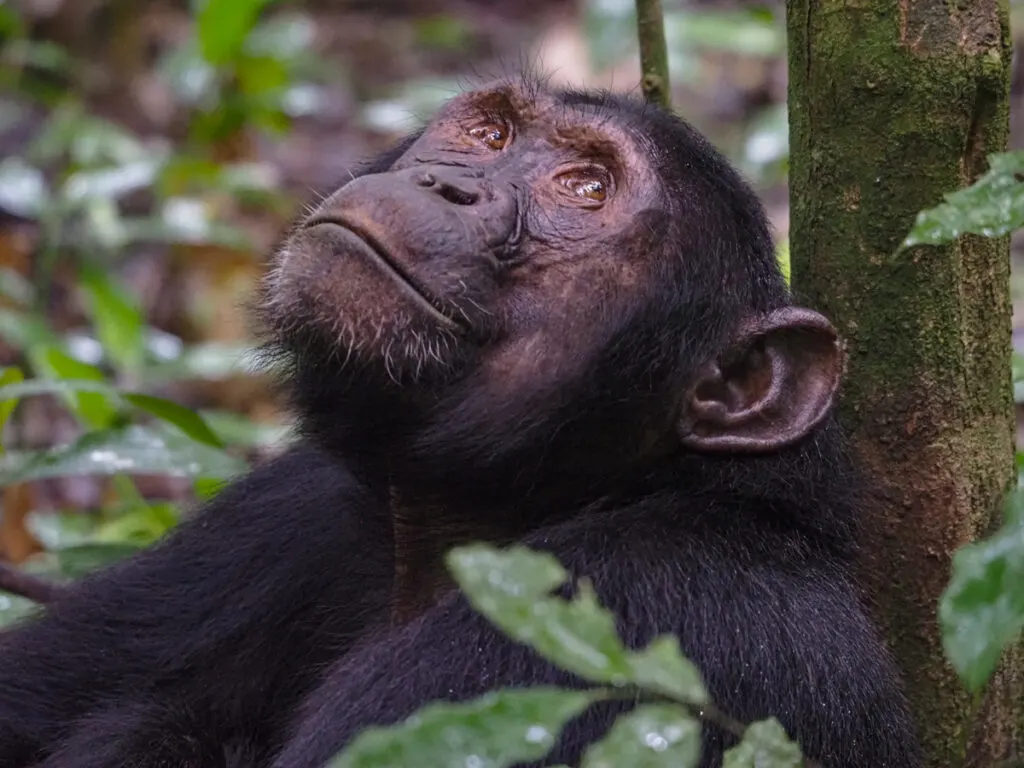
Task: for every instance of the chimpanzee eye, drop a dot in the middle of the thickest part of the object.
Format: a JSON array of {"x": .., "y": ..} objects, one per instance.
[
  {"x": 586, "y": 185},
  {"x": 493, "y": 135}
]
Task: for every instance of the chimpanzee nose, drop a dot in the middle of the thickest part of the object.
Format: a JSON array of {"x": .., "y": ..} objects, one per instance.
[{"x": 458, "y": 186}]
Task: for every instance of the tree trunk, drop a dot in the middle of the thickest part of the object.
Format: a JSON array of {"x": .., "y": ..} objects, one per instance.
[{"x": 891, "y": 105}]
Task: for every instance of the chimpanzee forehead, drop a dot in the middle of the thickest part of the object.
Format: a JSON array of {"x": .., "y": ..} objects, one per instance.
[{"x": 528, "y": 100}]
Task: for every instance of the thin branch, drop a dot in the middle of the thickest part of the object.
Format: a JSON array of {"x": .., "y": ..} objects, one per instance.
[
  {"x": 26, "y": 585},
  {"x": 650, "y": 25}
]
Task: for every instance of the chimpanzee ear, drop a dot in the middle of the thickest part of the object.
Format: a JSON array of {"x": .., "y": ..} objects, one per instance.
[{"x": 772, "y": 387}]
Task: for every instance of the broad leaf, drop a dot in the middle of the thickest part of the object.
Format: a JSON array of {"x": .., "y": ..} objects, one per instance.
[
  {"x": 132, "y": 450},
  {"x": 982, "y": 609},
  {"x": 499, "y": 729},
  {"x": 118, "y": 320},
  {"x": 992, "y": 207},
  {"x": 512, "y": 588},
  {"x": 764, "y": 745},
  {"x": 655, "y": 736},
  {"x": 185, "y": 419},
  {"x": 223, "y": 26},
  {"x": 142, "y": 526},
  {"x": 92, "y": 405}
]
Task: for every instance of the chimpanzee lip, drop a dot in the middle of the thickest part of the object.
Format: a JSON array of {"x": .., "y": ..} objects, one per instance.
[{"x": 387, "y": 264}]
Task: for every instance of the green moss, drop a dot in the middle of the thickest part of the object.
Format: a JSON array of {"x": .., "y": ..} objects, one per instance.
[{"x": 890, "y": 107}]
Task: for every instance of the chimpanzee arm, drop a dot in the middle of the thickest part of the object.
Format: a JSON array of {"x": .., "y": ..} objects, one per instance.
[
  {"x": 227, "y": 619},
  {"x": 772, "y": 638}
]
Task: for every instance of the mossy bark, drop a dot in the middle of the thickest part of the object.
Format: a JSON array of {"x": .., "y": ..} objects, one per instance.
[{"x": 893, "y": 103}]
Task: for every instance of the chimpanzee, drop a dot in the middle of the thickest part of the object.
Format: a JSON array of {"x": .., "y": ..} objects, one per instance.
[{"x": 551, "y": 318}]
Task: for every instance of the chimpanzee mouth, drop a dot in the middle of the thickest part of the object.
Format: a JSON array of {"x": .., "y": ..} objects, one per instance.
[{"x": 408, "y": 284}]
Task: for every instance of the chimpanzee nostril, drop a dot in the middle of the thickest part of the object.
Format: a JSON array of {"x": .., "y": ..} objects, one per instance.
[
  {"x": 424, "y": 180},
  {"x": 457, "y": 196}
]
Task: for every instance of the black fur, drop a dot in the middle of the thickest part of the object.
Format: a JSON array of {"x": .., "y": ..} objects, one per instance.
[{"x": 261, "y": 627}]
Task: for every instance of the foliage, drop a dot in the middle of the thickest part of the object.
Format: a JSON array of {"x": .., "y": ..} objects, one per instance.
[
  {"x": 993, "y": 206},
  {"x": 73, "y": 182},
  {"x": 513, "y": 589},
  {"x": 242, "y": 69}
]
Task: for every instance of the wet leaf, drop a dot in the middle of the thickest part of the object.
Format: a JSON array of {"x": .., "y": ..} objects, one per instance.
[
  {"x": 655, "y": 736},
  {"x": 512, "y": 588},
  {"x": 118, "y": 319},
  {"x": 982, "y": 609},
  {"x": 132, "y": 450},
  {"x": 90, "y": 404},
  {"x": 499, "y": 729},
  {"x": 185, "y": 419},
  {"x": 764, "y": 745},
  {"x": 992, "y": 206}
]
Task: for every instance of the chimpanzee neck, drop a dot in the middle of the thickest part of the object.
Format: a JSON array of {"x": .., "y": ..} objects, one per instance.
[
  {"x": 429, "y": 523},
  {"x": 424, "y": 531}
]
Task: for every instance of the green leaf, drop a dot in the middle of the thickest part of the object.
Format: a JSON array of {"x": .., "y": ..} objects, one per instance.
[
  {"x": 24, "y": 329},
  {"x": 223, "y": 26},
  {"x": 142, "y": 526},
  {"x": 782, "y": 254},
  {"x": 242, "y": 431},
  {"x": 91, "y": 405},
  {"x": 993, "y": 206},
  {"x": 118, "y": 319},
  {"x": 737, "y": 32},
  {"x": 89, "y": 141},
  {"x": 81, "y": 559},
  {"x": 210, "y": 361},
  {"x": 511, "y": 588},
  {"x": 1017, "y": 366},
  {"x": 499, "y": 729},
  {"x": 10, "y": 375},
  {"x": 655, "y": 736},
  {"x": 133, "y": 450},
  {"x": 982, "y": 609},
  {"x": 188, "y": 421},
  {"x": 13, "y": 609},
  {"x": 764, "y": 745},
  {"x": 185, "y": 419}
]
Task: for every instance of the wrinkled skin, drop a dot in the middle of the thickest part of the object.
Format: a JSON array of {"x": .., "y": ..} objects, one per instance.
[{"x": 547, "y": 318}]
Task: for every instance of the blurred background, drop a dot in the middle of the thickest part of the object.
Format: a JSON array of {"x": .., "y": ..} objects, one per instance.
[{"x": 152, "y": 152}]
